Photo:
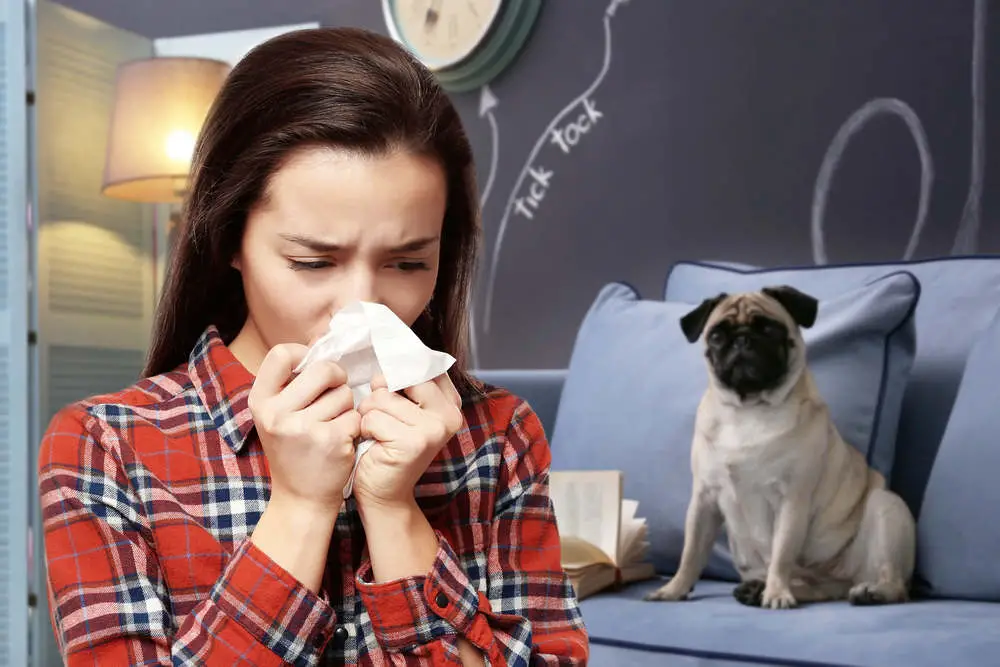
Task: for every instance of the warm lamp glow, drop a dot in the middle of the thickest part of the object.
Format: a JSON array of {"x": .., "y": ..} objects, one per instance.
[
  {"x": 179, "y": 145},
  {"x": 160, "y": 105}
]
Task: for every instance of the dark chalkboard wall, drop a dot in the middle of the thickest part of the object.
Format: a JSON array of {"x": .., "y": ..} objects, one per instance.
[{"x": 715, "y": 118}]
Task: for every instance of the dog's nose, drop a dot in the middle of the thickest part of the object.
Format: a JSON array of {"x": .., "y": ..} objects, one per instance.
[{"x": 741, "y": 341}]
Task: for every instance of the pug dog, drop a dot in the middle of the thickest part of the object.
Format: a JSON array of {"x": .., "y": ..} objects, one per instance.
[{"x": 806, "y": 518}]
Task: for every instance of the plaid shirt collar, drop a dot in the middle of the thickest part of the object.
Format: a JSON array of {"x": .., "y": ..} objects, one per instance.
[{"x": 223, "y": 385}]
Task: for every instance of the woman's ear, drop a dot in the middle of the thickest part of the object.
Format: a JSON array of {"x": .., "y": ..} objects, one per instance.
[{"x": 235, "y": 262}]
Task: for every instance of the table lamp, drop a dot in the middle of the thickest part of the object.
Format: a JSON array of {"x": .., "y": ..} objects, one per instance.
[{"x": 159, "y": 107}]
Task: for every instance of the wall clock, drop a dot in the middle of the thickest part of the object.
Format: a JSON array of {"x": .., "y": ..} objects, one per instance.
[{"x": 466, "y": 43}]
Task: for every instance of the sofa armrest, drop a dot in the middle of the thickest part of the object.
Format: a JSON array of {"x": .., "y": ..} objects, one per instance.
[{"x": 541, "y": 388}]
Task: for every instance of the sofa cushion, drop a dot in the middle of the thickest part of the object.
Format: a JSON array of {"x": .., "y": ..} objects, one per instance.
[
  {"x": 613, "y": 654},
  {"x": 959, "y": 296},
  {"x": 715, "y": 627},
  {"x": 634, "y": 383},
  {"x": 539, "y": 387},
  {"x": 958, "y": 536}
]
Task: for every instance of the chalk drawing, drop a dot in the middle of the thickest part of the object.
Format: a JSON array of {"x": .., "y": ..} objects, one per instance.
[
  {"x": 966, "y": 239},
  {"x": 556, "y": 133},
  {"x": 487, "y": 102},
  {"x": 835, "y": 152}
]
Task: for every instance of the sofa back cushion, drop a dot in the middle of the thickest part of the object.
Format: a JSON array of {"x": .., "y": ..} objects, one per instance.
[
  {"x": 959, "y": 296},
  {"x": 958, "y": 535},
  {"x": 634, "y": 384}
]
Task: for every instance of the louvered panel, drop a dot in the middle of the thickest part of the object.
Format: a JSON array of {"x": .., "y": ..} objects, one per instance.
[
  {"x": 94, "y": 251},
  {"x": 4, "y": 204},
  {"x": 89, "y": 270},
  {"x": 4, "y": 405},
  {"x": 14, "y": 385},
  {"x": 5, "y": 516},
  {"x": 78, "y": 372},
  {"x": 79, "y": 75},
  {"x": 93, "y": 272},
  {"x": 4, "y": 286}
]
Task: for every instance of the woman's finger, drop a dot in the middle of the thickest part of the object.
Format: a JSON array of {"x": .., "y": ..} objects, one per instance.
[
  {"x": 382, "y": 427},
  {"x": 314, "y": 380},
  {"x": 378, "y": 382},
  {"x": 276, "y": 369},
  {"x": 330, "y": 404},
  {"x": 392, "y": 404},
  {"x": 429, "y": 396},
  {"x": 444, "y": 382},
  {"x": 343, "y": 429},
  {"x": 349, "y": 423}
]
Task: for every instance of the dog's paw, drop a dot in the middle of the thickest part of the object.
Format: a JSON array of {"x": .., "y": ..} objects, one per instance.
[
  {"x": 864, "y": 594},
  {"x": 872, "y": 594},
  {"x": 777, "y": 596},
  {"x": 749, "y": 592},
  {"x": 667, "y": 593}
]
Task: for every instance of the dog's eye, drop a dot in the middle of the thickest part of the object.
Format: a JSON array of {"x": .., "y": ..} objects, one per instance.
[
  {"x": 716, "y": 336},
  {"x": 773, "y": 330}
]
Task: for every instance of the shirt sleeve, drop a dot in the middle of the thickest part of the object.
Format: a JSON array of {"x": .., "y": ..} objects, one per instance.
[
  {"x": 529, "y": 615},
  {"x": 108, "y": 598}
]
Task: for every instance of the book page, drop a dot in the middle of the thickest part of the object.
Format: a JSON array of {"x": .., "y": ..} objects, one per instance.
[
  {"x": 579, "y": 555},
  {"x": 631, "y": 528},
  {"x": 635, "y": 542},
  {"x": 588, "y": 506}
]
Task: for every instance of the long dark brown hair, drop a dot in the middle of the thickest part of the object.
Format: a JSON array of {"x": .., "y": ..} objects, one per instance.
[{"x": 341, "y": 87}]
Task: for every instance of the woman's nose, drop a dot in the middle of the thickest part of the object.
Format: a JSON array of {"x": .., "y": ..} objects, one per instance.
[{"x": 359, "y": 286}]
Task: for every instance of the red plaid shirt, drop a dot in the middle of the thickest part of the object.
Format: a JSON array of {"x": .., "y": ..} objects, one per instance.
[{"x": 149, "y": 496}]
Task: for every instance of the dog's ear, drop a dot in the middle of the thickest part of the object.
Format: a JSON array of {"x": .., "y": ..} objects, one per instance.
[
  {"x": 694, "y": 322},
  {"x": 800, "y": 306}
]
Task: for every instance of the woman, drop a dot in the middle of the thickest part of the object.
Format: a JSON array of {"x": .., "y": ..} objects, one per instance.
[{"x": 197, "y": 517}]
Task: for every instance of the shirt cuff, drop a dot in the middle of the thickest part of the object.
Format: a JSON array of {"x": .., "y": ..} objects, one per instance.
[
  {"x": 273, "y": 606},
  {"x": 420, "y": 609}
]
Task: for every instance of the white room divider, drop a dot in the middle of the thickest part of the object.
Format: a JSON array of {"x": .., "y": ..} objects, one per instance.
[{"x": 14, "y": 378}]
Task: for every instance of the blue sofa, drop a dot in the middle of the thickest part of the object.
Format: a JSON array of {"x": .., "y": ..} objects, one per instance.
[{"x": 908, "y": 356}]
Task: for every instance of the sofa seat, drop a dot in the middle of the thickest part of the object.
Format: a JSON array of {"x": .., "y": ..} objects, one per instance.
[{"x": 712, "y": 628}]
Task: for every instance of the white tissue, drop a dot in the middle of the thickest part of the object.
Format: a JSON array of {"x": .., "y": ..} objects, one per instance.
[{"x": 367, "y": 339}]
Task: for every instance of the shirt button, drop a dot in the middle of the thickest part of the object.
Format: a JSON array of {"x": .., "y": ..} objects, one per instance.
[
  {"x": 441, "y": 599},
  {"x": 340, "y": 635}
]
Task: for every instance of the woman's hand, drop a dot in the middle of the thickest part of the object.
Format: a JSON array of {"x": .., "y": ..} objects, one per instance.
[
  {"x": 409, "y": 430},
  {"x": 307, "y": 425}
]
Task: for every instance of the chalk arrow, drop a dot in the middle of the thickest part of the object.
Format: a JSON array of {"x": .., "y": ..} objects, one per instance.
[
  {"x": 487, "y": 100},
  {"x": 487, "y": 103}
]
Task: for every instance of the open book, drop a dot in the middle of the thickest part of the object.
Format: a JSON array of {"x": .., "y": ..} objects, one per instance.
[{"x": 604, "y": 544}]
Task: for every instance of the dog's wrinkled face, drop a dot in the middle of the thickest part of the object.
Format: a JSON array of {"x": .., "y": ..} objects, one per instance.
[{"x": 752, "y": 340}]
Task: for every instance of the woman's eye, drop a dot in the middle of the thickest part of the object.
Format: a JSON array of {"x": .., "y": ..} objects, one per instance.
[
  {"x": 411, "y": 266},
  {"x": 308, "y": 265}
]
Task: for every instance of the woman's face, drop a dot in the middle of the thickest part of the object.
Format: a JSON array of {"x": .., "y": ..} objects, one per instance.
[{"x": 336, "y": 227}]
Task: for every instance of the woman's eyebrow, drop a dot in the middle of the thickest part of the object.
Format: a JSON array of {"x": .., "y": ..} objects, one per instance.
[
  {"x": 416, "y": 244},
  {"x": 311, "y": 243},
  {"x": 318, "y": 245}
]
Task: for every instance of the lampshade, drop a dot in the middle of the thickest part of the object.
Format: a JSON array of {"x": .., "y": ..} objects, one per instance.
[{"x": 160, "y": 105}]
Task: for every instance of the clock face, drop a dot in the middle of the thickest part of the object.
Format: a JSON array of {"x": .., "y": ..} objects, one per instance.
[{"x": 441, "y": 32}]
